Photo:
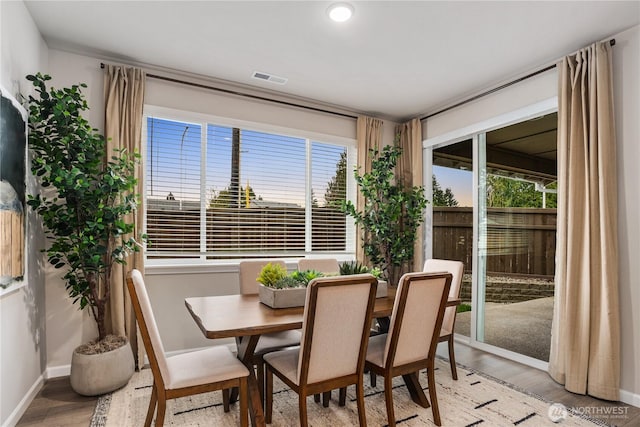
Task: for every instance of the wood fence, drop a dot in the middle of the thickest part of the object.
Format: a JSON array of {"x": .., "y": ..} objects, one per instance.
[
  {"x": 519, "y": 240},
  {"x": 244, "y": 230}
]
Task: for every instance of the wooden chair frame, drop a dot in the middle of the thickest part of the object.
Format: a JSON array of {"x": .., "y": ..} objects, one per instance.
[
  {"x": 160, "y": 394},
  {"x": 389, "y": 371},
  {"x": 304, "y": 389},
  {"x": 449, "y": 337}
]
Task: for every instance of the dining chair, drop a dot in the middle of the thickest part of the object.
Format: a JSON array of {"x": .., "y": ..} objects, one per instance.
[
  {"x": 335, "y": 331},
  {"x": 249, "y": 272},
  {"x": 185, "y": 374},
  {"x": 410, "y": 345},
  {"x": 323, "y": 265},
  {"x": 456, "y": 269}
]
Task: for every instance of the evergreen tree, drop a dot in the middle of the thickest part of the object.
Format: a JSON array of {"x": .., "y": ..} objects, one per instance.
[
  {"x": 337, "y": 188},
  {"x": 442, "y": 198}
]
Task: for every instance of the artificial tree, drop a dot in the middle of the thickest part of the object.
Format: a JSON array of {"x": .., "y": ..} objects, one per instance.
[
  {"x": 391, "y": 215},
  {"x": 86, "y": 195}
]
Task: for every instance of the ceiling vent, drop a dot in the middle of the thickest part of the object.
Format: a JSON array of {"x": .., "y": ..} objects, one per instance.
[{"x": 269, "y": 78}]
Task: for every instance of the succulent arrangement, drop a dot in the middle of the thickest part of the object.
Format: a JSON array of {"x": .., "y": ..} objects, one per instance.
[
  {"x": 275, "y": 276},
  {"x": 355, "y": 267}
]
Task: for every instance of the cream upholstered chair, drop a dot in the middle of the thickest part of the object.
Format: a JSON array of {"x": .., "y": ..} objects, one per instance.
[
  {"x": 456, "y": 269},
  {"x": 410, "y": 344},
  {"x": 335, "y": 330},
  {"x": 249, "y": 272},
  {"x": 323, "y": 265},
  {"x": 202, "y": 371}
]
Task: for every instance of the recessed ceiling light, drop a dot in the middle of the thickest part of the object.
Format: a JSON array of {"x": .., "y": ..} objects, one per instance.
[{"x": 340, "y": 12}]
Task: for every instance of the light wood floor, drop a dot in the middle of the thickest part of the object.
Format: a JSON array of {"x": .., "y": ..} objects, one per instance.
[{"x": 58, "y": 405}]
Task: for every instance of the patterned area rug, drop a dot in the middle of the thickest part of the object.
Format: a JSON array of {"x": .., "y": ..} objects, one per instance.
[{"x": 475, "y": 399}]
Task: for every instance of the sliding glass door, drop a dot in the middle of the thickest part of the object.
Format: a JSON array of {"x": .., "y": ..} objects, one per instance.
[{"x": 493, "y": 208}]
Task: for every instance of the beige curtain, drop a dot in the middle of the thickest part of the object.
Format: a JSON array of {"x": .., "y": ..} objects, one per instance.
[
  {"x": 124, "y": 100},
  {"x": 585, "y": 344},
  {"x": 368, "y": 135},
  {"x": 409, "y": 169}
]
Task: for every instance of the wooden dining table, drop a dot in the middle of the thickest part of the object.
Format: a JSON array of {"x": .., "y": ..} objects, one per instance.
[{"x": 245, "y": 318}]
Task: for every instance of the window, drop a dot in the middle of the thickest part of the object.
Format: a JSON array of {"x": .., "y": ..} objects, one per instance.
[{"x": 215, "y": 191}]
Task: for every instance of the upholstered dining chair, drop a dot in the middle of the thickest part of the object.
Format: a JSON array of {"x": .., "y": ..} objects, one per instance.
[
  {"x": 335, "y": 331},
  {"x": 249, "y": 272},
  {"x": 410, "y": 344},
  {"x": 456, "y": 268},
  {"x": 323, "y": 265},
  {"x": 186, "y": 374}
]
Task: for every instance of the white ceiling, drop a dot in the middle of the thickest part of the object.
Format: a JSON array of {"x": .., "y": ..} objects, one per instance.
[{"x": 393, "y": 59}]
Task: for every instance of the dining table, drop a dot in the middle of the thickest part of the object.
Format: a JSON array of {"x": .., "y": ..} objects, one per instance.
[{"x": 245, "y": 318}]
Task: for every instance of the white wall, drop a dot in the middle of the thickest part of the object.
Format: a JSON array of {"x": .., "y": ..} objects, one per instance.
[
  {"x": 22, "y": 316},
  {"x": 626, "y": 75},
  {"x": 626, "y": 55}
]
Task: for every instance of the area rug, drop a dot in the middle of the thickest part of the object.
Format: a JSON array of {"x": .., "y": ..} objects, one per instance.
[{"x": 474, "y": 399}]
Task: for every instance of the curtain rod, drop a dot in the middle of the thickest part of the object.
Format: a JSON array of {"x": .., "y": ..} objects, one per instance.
[
  {"x": 612, "y": 42},
  {"x": 245, "y": 95}
]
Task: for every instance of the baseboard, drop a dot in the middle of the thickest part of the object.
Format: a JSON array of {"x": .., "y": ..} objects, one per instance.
[
  {"x": 21, "y": 408},
  {"x": 57, "y": 371},
  {"x": 629, "y": 398}
]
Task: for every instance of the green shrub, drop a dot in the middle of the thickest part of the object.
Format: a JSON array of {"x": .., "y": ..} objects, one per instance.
[
  {"x": 462, "y": 307},
  {"x": 271, "y": 274}
]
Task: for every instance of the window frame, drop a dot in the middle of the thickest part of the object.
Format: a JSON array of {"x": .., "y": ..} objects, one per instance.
[{"x": 201, "y": 264}]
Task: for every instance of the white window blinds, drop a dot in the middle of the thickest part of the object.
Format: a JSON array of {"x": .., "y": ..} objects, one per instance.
[{"x": 220, "y": 192}]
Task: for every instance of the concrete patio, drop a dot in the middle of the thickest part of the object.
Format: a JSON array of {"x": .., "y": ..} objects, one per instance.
[{"x": 522, "y": 327}]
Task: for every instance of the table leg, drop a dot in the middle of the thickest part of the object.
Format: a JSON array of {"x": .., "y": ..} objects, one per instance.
[
  {"x": 415, "y": 389},
  {"x": 246, "y": 349}
]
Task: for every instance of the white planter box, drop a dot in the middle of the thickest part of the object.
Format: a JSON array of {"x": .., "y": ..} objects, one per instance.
[
  {"x": 381, "y": 291},
  {"x": 295, "y": 297},
  {"x": 282, "y": 298}
]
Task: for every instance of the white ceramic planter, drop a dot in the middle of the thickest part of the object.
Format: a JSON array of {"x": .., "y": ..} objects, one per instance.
[
  {"x": 282, "y": 298},
  {"x": 381, "y": 291},
  {"x": 95, "y": 374},
  {"x": 295, "y": 297}
]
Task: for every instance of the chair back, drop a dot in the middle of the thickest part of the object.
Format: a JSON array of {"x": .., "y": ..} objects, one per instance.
[
  {"x": 249, "y": 272},
  {"x": 148, "y": 327},
  {"x": 335, "y": 329},
  {"x": 456, "y": 268},
  {"x": 417, "y": 317},
  {"x": 323, "y": 265}
]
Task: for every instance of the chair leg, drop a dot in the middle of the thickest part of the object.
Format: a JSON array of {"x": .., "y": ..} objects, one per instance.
[
  {"x": 244, "y": 402},
  {"x": 452, "y": 358},
  {"x": 360, "y": 397},
  {"x": 372, "y": 378},
  {"x": 388, "y": 399},
  {"x": 326, "y": 396},
  {"x": 225, "y": 399},
  {"x": 342, "y": 400},
  {"x": 432, "y": 395},
  {"x": 152, "y": 406},
  {"x": 302, "y": 403},
  {"x": 268, "y": 410},
  {"x": 162, "y": 406},
  {"x": 316, "y": 397}
]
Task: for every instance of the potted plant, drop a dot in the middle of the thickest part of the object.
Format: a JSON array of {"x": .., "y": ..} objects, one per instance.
[
  {"x": 277, "y": 289},
  {"x": 391, "y": 215},
  {"x": 86, "y": 198}
]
